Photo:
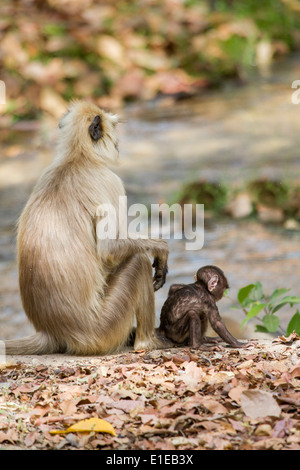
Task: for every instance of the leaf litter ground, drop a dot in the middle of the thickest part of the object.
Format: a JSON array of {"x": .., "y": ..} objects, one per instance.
[{"x": 172, "y": 399}]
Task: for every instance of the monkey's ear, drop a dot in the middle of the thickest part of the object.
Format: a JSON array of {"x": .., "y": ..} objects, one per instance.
[
  {"x": 213, "y": 282},
  {"x": 95, "y": 129}
]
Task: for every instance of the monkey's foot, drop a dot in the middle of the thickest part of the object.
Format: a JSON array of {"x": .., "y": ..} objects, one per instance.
[
  {"x": 207, "y": 347},
  {"x": 214, "y": 340},
  {"x": 146, "y": 343},
  {"x": 165, "y": 343}
]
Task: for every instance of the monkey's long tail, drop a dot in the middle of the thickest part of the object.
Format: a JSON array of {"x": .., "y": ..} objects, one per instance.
[{"x": 38, "y": 343}]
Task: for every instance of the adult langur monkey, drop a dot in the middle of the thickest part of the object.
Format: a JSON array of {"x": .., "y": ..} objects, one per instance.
[{"x": 81, "y": 293}]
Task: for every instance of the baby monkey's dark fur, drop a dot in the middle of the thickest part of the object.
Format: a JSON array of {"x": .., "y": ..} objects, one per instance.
[{"x": 188, "y": 308}]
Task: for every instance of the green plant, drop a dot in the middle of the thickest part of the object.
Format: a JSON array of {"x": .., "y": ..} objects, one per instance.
[
  {"x": 270, "y": 193},
  {"x": 212, "y": 195},
  {"x": 253, "y": 301}
]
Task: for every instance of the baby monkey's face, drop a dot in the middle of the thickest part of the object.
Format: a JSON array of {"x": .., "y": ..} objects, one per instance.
[{"x": 213, "y": 279}]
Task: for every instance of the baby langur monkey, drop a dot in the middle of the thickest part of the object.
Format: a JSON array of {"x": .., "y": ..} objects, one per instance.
[{"x": 185, "y": 313}]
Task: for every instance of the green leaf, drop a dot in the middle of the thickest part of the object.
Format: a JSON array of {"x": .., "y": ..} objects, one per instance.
[
  {"x": 289, "y": 299},
  {"x": 257, "y": 292},
  {"x": 253, "y": 312},
  {"x": 261, "y": 329},
  {"x": 226, "y": 292},
  {"x": 294, "y": 324},
  {"x": 277, "y": 293},
  {"x": 271, "y": 322},
  {"x": 244, "y": 292}
]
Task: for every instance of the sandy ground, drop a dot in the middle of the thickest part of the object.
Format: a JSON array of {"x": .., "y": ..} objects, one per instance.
[{"x": 270, "y": 345}]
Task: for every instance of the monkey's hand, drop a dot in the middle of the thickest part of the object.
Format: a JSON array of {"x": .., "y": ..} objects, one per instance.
[{"x": 160, "y": 274}]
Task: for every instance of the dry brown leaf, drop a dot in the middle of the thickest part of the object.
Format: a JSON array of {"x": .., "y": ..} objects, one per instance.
[
  {"x": 214, "y": 406},
  {"x": 287, "y": 339},
  {"x": 171, "y": 411},
  {"x": 27, "y": 388},
  {"x": 291, "y": 397},
  {"x": 245, "y": 364},
  {"x": 149, "y": 418},
  {"x": 258, "y": 404},
  {"x": 129, "y": 406},
  {"x": 184, "y": 441},
  {"x": 263, "y": 430},
  {"x": 272, "y": 443},
  {"x": 237, "y": 425},
  {"x": 156, "y": 380},
  {"x": 10, "y": 436},
  {"x": 235, "y": 393},
  {"x": 30, "y": 439},
  {"x": 68, "y": 407},
  {"x": 171, "y": 365},
  {"x": 68, "y": 392},
  {"x": 210, "y": 425},
  {"x": 281, "y": 428},
  {"x": 40, "y": 410},
  {"x": 218, "y": 377},
  {"x": 192, "y": 376},
  {"x": 295, "y": 372}
]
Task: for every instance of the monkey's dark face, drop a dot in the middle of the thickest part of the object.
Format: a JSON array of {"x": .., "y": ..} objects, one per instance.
[
  {"x": 95, "y": 129},
  {"x": 103, "y": 135},
  {"x": 87, "y": 126},
  {"x": 102, "y": 132}
]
